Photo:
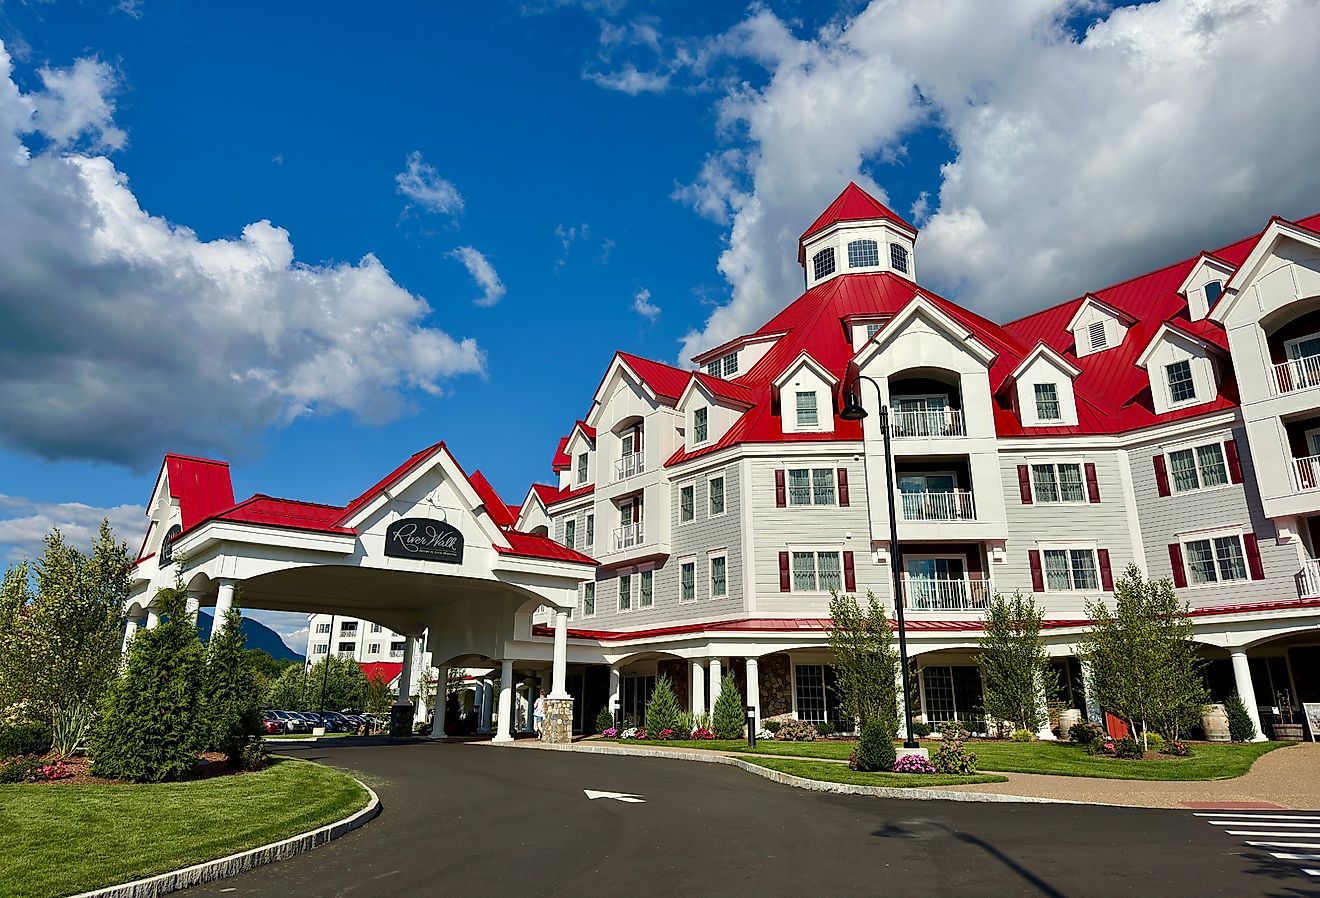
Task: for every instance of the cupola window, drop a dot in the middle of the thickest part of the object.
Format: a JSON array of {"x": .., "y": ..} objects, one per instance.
[
  {"x": 822, "y": 263},
  {"x": 863, "y": 254},
  {"x": 898, "y": 258}
]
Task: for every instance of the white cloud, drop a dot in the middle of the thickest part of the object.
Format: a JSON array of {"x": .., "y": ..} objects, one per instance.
[
  {"x": 421, "y": 183},
  {"x": 630, "y": 80},
  {"x": 492, "y": 288},
  {"x": 126, "y": 335},
  {"x": 1080, "y": 159},
  {"x": 292, "y": 626},
  {"x": 643, "y": 306},
  {"x": 24, "y": 522},
  {"x": 130, "y": 8}
]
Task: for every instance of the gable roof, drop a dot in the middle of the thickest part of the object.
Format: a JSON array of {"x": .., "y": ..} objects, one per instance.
[
  {"x": 561, "y": 461},
  {"x": 853, "y": 204},
  {"x": 498, "y": 510},
  {"x": 201, "y": 485},
  {"x": 664, "y": 380},
  {"x": 403, "y": 470}
]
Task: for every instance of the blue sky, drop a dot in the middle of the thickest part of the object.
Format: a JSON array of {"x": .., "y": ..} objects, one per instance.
[{"x": 590, "y": 152}]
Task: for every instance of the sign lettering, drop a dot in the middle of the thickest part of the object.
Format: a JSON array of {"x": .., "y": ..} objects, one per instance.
[
  {"x": 424, "y": 539},
  {"x": 167, "y": 545}
]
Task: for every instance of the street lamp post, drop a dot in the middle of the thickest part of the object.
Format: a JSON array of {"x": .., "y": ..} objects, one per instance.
[
  {"x": 853, "y": 411},
  {"x": 325, "y": 674}
]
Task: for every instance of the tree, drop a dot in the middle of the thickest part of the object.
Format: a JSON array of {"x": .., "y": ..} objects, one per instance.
[
  {"x": 1144, "y": 664},
  {"x": 345, "y": 687},
  {"x": 1015, "y": 668},
  {"x": 16, "y": 673},
  {"x": 865, "y": 661},
  {"x": 147, "y": 731},
  {"x": 729, "y": 715},
  {"x": 229, "y": 711},
  {"x": 663, "y": 712},
  {"x": 379, "y": 695},
  {"x": 875, "y": 748},
  {"x": 288, "y": 691},
  {"x": 1241, "y": 728}
]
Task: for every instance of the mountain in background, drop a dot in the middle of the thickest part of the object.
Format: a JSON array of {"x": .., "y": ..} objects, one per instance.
[{"x": 259, "y": 636}]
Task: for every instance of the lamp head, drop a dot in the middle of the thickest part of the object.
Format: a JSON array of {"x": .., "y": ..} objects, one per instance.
[{"x": 852, "y": 407}]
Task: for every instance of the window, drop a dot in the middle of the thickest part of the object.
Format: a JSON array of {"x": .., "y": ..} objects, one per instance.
[
  {"x": 719, "y": 576},
  {"x": 700, "y": 430},
  {"x": 1096, "y": 334},
  {"x": 872, "y": 329},
  {"x": 715, "y": 491},
  {"x": 863, "y": 254},
  {"x": 396, "y": 648},
  {"x": 898, "y": 258},
  {"x": 570, "y": 534},
  {"x": 590, "y": 542},
  {"x": 810, "y": 683},
  {"x": 1200, "y": 467},
  {"x": 375, "y": 628},
  {"x": 730, "y": 364},
  {"x": 1216, "y": 559},
  {"x": 823, "y": 262},
  {"x": 1181, "y": 387},
  {"x": 816, "y": 572},
  {"x": 348, "y": 628},
  {"x": 811, "y": 486},
  {"x": 625, "y": 592},
  {"x": 1057, "y": 483},
  {"x": 713, "y": 368},
  {"x": 687, "y": 581},
  {"x": 1213, "y": 291},
  {"x": 582, "y": 468},
  {"x": 588, "y": 599},
  {"x": 323, "y": 628},
  {"x": 806, "y": 410},
  {"x": 646, "y": 599},
  {"x": 320, "y": 648},
  {"x": 1070, "y": 569},
  {"x": 346, "y": 647},
  {"x": 373, "y": 649},
  {"x": 686, "y": 503},
  {"x": 1047, "y": 403}
]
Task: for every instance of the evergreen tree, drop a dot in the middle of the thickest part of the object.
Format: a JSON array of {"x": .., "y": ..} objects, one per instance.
[
  {"x": 1015, "y": 668},
  {"x": 147, "y": 731},
  {"x": 16, "y": 673},
  {"x": 229, "y": 711},
  {"x": 865, "y": 660},
  {"x": 730, "y": 715},
  {"x": 1241, "y": 728},
  {"x": 662, "y": 711},
  {"x": 875, "y": 748}
]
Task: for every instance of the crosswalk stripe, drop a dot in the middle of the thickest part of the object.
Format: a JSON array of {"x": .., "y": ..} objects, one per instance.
[
  {"x": 1261, "y": 823},
  {"x": 1257, "y": 832},
  {"x": 1285, "y": 856},
  {"x": 1310, "y": 871},
  {"x": 1243, "y": 815},
  {"x": 1284, "y": 844}
]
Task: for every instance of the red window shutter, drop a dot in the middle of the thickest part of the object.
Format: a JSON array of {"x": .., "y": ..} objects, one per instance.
[
  {"x": 785, "y": 582},
  {"x": 1024, "y": 484},
  {"x": 1234, "y": 461},
  {"x": 1161, "y": 476},
  {"x": 843, "y": 490},
  {"x": 1037, "y": 574},
  {"x": 1106, "y": 572},
  {"x": 1092, "y": 484},
  {"x": 1176, "y": 559},
  {"x": 849, "y": 574},
  {"x": 781, "y": 494},
  {"x": 1252, "y": 547}
]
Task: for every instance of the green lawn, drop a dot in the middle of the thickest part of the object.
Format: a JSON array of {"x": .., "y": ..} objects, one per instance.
[
  {"x": 840, "y": 773},
  {"x": 1208, "y": 762},
  {"x": 58, "y": 840}
]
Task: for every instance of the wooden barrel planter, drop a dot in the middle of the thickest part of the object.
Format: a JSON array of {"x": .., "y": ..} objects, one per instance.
[{"x": 1215, "y": 720}]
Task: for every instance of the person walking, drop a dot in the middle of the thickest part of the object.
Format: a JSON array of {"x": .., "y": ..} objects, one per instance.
[{"x": 538, "y": 714}]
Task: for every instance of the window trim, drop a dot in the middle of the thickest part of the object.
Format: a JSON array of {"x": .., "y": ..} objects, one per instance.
[
  {"x": 1193, "y": 445},
  {"x": 1197, "y": 536},
  {"x": 704, "y": 424},
  {"x": 687, "y": 485},
  {"x": 817, "y": 265},
  {"x": 710, "y": 573},
  {"x": 817, "y": 550},
  {"x": 1070, "y": 548},
  {"x": 724, "y": 494},
  {"x": 1191, "y": 378},
  {"x": 875, "y": 245},
  {"x": 798, "y": 423},
  {"x": 811, "y": 486},
  {"x": 683, "y": 562},
  {"x": 1055, "y": 464},
  {"x": 582, "y": 598}
]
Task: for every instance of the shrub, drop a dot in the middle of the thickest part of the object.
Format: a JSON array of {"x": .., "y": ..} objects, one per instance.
[
  {"x": 610, "y": 732},
  {"x": 772, "y": 726},
  {"x": 228, "y": 709},
  {"x": 728, "y": 714},
  {"x": 796, "y": 731},
  {"x": 1023, "y": 736},
  {"x": 73, "y": 722},
  {"x": 666, "y": 734},
  {"x": 952, "y": 757},
  {"x": 57, "y": 770},
  {"x": 253, "y": 756},
  {"x": 28, "y": 738},
  {"x": 953, "y": 731},
  {"x": 21, "y": 771},
  {"x": 1154, "y": 742},
  {"x": 1241, "y": 728},
  {"x": 875, "y": 749},
  {"x": 913, "y": 764},
  {"x": 686, "y": 724},
  {"x": 1177, "y": 748},
  {"x": 604, "y": 721},
  {"x": 1102, "y": 746},
  {"x": 1085, "y": 732},
  {"x": 824, "y": 728},
  {"x": 641, "y": 734},
  {"x": 702, "y": 733},
  {"x": 1128, "y": 748},
  {"x": 921, "y": 729},
  {"x": 662, "y": 711}
]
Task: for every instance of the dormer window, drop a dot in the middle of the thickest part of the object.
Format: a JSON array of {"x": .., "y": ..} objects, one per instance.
[
  {"x": 700, "y": 426},
  {"x": 872, "y": 329},
  {"x": 1047, "y": 403},
  {"x": 898, "y": 258},
  {"x": 1213, "y": 291},
  {"x": 863, "y": 254},
  {"x": 806, "y": 410},
  {"x": 1181, "y": 386},
  {"x": 582, "y": 468},
  {"x": 1096, "y": 334},
  {"x": 725, "y": 366},
  {"x": 822, "y": 264}
]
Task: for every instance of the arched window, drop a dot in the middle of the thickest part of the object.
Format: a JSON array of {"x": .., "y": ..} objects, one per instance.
[
  {"x": 898, "y": 258},
  {"x": 823, "y": 262},
  {"x": 863, "y": 254},
  {"x": 1213, "y": 291}
]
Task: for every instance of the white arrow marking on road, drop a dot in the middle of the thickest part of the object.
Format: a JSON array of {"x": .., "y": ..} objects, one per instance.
[{"x": 617, "y": 796}]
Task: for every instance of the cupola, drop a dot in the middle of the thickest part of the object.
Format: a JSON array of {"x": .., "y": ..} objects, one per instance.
[{"x": 857, "y": 234}]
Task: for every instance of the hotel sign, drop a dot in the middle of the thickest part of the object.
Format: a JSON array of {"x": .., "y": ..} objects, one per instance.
[
  {"x": 167, "y": 546},
  {"x": 425, "y": 540}
]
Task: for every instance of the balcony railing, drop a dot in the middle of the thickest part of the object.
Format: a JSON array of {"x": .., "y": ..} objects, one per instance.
[
  {"x": 970, "y": 593},
  {"x": 951, "y": 505},
  {"x": 944, "y": 422},
  {"x": 1308, "y": 579},
  {"x": 629, "y": 466},
  {"x": 1296, "y": 374},
  {"x": 1308, "y": 472},
  {"x": 627, "y": 536}
]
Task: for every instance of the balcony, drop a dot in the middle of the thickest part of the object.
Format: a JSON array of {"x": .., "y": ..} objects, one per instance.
[
  {"x": 1296, "y": 374},
  {"x": 628, "y": 535},
  {"x": 944, "y": 422},
  {"x": 1308, "y": 580},
  {"x": 1306, "y": 473},
  {"x": 970, "y": 593},
  {"x": 629, "y": 466},
  {"x": 948, "y": 505}
]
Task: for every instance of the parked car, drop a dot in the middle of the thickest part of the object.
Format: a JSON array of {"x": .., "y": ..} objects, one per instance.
[
  {"x": 337, "y": 723},
  {"x": 272, "y": 723},
  {"x": 293, "y": 723}
]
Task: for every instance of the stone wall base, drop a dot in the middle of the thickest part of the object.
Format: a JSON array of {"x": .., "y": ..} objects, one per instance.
[{"x": 558, "y": 726}]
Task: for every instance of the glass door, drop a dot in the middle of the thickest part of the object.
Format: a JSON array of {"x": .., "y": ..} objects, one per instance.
[{"x": 935, "y": 583}]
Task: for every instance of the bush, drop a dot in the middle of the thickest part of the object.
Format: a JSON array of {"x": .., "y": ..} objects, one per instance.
[
  {"x": 728, "y": 714},
  {"x": 641, "y": 734},
  {"x": 1154, "y": 742},
  {"x": 1085, "y": 732},
  {"x": 30, "y": 738},
  {"x": 1023, "y": 736},
  {"x": 1177, "y": 748},
  {"x": 875, "y": 749},
  {"x": 1128, "y": 749},
  {"x": 796, "y": 731},
  {"x": 1101, "y": 746},
  {"x": 824, "y": 728},
  {"x": 921, "y": 729},
  {"x": 952, "y": 757},
  {"x": 662, "y": 711},
  {"x": 913, "y": 764},
  {"x": 604, "y": 720},
  {"x": 610, "y": 732},
  {"x": 702, "y": 733},
  {"x": 229, "y": 707},
  {"x": 253, "y": 756},
  {"x": 21, "y": 771},
  {"x": 953, "y": 731},
  {"x": 1241, "y": 728},
  {"x": 772, "y": 726}
]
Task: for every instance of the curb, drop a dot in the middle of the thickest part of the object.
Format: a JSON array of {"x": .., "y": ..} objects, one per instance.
[
  {"x": 810, "y": 785},
  {"x": 232, "y": 865}
]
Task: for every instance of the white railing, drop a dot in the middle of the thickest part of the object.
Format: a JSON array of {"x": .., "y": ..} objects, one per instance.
[
  {"x": 1308, "y": 472},
  {"x": 627, "y": 536},
  {"x": 944, "y": 422},
  {"x": 1297, "y": 374},
  {"x": 1308, "y": 579},
  {"x": 970, "y": 593},
  {"x": 951, "y": 505},
  {"x": 629, "y": 466}
]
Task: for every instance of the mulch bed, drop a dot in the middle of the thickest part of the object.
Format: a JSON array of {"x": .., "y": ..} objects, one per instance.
[{"x": 209, "y": 764}]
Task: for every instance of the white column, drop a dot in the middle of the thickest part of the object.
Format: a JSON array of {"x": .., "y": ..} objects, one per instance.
[
  {"x": 153, "y": 619},
  {"x": 405, "y": 675},
  {"x": 130, "y": 630},
  {"x": 1045, "y": 734},
  {"x": 224, "y": 600},
  {"x": 754, "y": 692},
  {"x": 194, "y": 602},
  {"x": 715, "y": 682},
  {"x": 698, "y": 687},
  {"x": 1093, "y": 712},
  {"x": 487, "y": 705},
  {"x": 441, "y": 700},
  {"x": 504, "y": 726},
  {"x": 1246, "y": 691},
  {"x": 529, "y": 724},
  {"x": 616, "y": 688},
  {"x": 559, "y": 688}
]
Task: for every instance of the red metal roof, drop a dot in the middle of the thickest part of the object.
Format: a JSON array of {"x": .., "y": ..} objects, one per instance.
[
  {"x": 495, "y": 507},
  {"x": 289, "y": 513},
  {"x": 561, "y": 461},
  {"x": 665, "y": 380},
  {"x": 532, "y": 546},
  {"x": 562, "y": 495},
  {"x": 201, "y": 485},
  {"x": 385, "y": 671},
  {"x": 391, "y": 478},
  {"x": 854, "y": 204},
  {"x": 726, "y": 389}
]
